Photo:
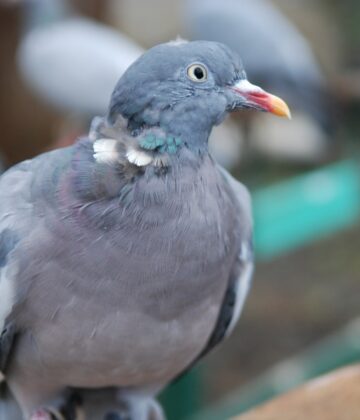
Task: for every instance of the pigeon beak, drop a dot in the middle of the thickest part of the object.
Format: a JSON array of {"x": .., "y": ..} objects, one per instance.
[{"x": 257, "y": 98}]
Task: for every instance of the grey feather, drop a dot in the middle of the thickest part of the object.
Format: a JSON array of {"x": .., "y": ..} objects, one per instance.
[
  {"x": 7, "y": 339},
  {"x": 240, "y": 277},
  {"x": 8, "y": 240}
]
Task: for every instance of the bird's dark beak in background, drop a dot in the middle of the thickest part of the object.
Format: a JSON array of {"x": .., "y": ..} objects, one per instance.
[{"x": 258, "y": 98}]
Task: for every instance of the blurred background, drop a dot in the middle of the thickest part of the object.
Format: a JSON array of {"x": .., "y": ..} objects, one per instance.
[{"x": 59, "y": 60}]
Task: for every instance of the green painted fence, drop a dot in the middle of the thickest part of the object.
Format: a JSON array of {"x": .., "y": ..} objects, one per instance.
[{"x": 306, "y": 208}]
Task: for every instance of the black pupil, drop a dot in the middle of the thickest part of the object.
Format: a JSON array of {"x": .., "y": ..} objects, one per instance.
[{"x": 199, "y": 73}]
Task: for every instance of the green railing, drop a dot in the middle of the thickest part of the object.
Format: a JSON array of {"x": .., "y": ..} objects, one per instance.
[{"x": 306, "y": 208}]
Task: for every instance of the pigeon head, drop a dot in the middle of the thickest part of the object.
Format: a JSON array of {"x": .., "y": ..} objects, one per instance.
[{"x": 183, "y": 89}]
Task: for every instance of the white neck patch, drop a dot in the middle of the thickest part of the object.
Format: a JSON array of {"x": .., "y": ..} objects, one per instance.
[
  {"x": 138, "y": 157},
  {"x": 105, "y": 151}
]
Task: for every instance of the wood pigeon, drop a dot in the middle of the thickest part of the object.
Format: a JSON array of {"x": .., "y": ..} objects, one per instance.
[{"x": 128, "y": 256}]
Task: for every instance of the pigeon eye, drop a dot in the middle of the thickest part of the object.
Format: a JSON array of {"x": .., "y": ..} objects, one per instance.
[{"x": 197, "y": 73}]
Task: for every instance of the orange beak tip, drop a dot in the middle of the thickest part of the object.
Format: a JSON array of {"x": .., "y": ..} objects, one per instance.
[{"x": 279, "y": 107}]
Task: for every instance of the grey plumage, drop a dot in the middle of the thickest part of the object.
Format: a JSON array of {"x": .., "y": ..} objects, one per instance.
[
  {"x": 8, "y": 240},
  {"x": 130, "y": 242},
  {"x": 6, "y": 341}
]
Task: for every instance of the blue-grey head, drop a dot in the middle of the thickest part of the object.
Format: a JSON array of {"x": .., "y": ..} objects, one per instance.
[{"x": 182, "y": 89}]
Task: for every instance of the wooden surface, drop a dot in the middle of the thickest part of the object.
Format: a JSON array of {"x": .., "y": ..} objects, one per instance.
[{"x": 335, "y": 396}]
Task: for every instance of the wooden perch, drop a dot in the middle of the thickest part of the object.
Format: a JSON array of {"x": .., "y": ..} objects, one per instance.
[{"x": 335, "y": 396}]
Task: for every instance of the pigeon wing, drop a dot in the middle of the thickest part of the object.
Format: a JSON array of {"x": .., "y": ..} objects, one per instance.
[
  {"x": 241, "y": 273},
  {"x": 240, "y": 277}
]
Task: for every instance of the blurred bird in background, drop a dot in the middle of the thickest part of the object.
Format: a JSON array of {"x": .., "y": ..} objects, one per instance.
[{"x": 71, "y": 62}]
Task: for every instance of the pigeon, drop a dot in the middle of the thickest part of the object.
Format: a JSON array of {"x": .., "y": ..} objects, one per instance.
[
  {"x": 279, "y": 58},
  {"x": 127, "y": 257}
]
